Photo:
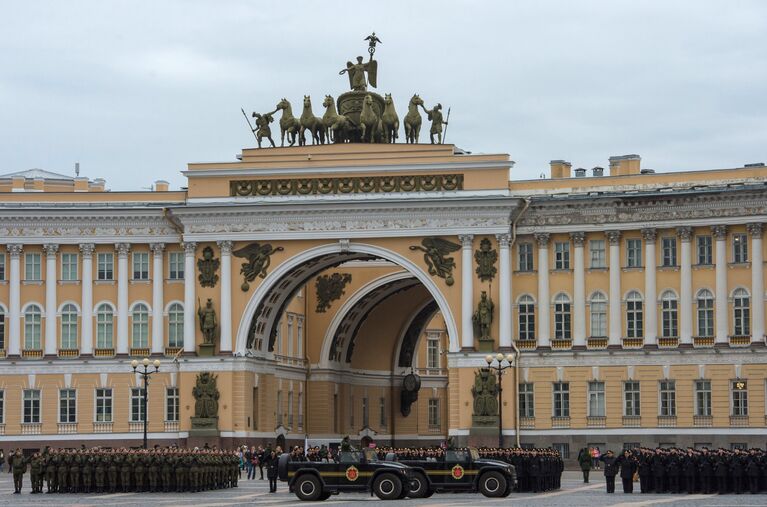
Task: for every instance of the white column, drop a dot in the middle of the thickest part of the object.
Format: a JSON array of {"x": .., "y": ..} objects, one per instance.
[
  {"x": 467, "y": 292},
  {"x": 225, "y": 319},
  {"x": 757, "y": 283},
  {"x": 14, "y": 301},
  {"x": 650, "y": 289},
  {"x": 122, "y": 297},
  {"x": 86, "y": 312},
  {"x": 720, "y": 310},
  {"x": 158, "y": 300},
  {"x": 615, "y": 327},
  {"x": 685, "y": 286},
  {"x": 504, "y": 273},
  {"x": 544, "y": 305},
  {"x": 51, "y": 343},
  {"x": 189, "y": 328},
  {"x": 579, "y": 291}
]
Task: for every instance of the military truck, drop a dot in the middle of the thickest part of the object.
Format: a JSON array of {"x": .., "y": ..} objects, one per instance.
[
  {"x": 459, "y": 470},
  {"x": 354, "y": 471}
]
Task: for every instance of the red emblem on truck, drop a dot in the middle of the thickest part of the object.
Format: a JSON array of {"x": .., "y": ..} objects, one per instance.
[
  {"x": 352, "y": 473},
  {"x": 457, "y": 472}
]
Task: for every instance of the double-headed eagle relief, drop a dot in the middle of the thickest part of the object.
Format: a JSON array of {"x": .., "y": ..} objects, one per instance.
[{"x": 358, "y": 116}]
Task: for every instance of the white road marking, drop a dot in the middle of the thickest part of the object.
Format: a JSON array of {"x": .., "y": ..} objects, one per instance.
[
  {"x": 685, "y": 498},
  {"x": 536, "y": 496}
]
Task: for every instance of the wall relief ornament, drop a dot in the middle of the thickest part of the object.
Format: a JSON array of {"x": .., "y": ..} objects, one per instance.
[
  {"x": 486, "y": 258},
  {"x": 485, "y": 393},
  {"x": 330, "y": 288},
  {"x": 435, "y": 255},
  {"x": 206, "y": 397},
  {"x": 347, "y": 185},
  {"x": 259, "y": 259},
  {"x": 208, "y": 266}
]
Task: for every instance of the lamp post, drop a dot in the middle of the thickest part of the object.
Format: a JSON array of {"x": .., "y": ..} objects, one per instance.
[
  {"x": 145, "y": 375},
  {"x": 499, "y": 363}
]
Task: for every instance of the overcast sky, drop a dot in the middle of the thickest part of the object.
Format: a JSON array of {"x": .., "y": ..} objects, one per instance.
[{"x": 136, "y": 90}]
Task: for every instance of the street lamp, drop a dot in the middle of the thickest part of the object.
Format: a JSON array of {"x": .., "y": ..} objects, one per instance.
[
  {"x": 499, "y": 362},
  {"x": 145, "y": 375}
]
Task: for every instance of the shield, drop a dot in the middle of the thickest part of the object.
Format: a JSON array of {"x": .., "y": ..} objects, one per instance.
[{"x": 373, "y": 73}]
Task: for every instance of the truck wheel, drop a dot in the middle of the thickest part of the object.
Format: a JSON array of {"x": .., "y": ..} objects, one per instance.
[
  {"x": 387, "y": 486},
  {"x": 308, "y": 488},
  {"x": 492, "y": 484},
  {"x": 419, "y": 486}
]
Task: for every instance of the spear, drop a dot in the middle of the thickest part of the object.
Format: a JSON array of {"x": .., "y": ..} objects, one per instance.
[
  {"x": 447, "y": 124},
  {"x": 251, "y": 126}
]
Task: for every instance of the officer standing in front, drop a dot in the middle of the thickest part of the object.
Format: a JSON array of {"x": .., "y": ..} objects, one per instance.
[
  {"x": 628, "y": 466},
  {"x": 611, "y": 470}
]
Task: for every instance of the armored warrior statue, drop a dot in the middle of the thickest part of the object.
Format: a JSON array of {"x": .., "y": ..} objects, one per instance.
[{"x": 208, "y": 322}]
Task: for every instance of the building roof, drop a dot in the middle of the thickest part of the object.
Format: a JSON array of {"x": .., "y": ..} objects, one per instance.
[{"x": 38, "y": 173}]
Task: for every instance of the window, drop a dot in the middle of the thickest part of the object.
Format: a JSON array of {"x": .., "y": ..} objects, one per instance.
[
  {"x": 526, "y": 400},
  {"x": 365, "y": 412},
  {"x": 562, "y": 449},
  {"x": 667, "y": 398},
  {"x": 291, "y": 319},
  {"x": 705, "y": 301},
  {"x": 32, "y": 267},
  {"x": 433, "y": 410},
  {"x": 562, "y": 317},
  {"x": 634, "y": 253},
  {"x": 103, "y": 405},
  {"x": 290, "y": 409},
  {"x": 31, "y": 399},
  {"x": 67, "y": 406},
  {"x": 2, "y": 266},
  {"x": 597, "y": 248},
  {"x": 2, "y": 329},
  {"x": 382, "y": 419},
  {"x": 668, "y": 250},
  {"x": 300, "y": 337},
  {"x": 631, "y": 398},
  {"x": 141, "y": 265},
  {"x": 104, "y": 326},
  {"x": 176, "y": 265},
  {"x": 432, "y": 353},
  {"x": 2, "y": 407},
  {"x": 69, "y": 327},
  {"x": 525, "y": 256},
  {"x": 628, "y": 446},
  {"x": 634, "y": 317},
  {"x": 561, "y": 399},
  {"x": 741, "y": 313},
  {"x": 278, "y": 338},
  {"x": 562, "y": 255},
  {"x": 739, "y": 248},
  {"x": 704, "y": 247},
  {"x": 69, "y": 266},
  {"x": 669, "y": 319},
  {"x": 526, "y": 318},
  {"x": 140, "y": 337},
  {"x": 739, "y": 398},
  {"x": 703, "y": 398},
  {"x": 598, "y": 309},
  {"x": 137, "y": 404},
  {"x": 171, "y": 404},
  {"x": 176, "y": 325},
  {"x": 351, "y": 409},
  {"x": 300, "y": 410},
  {"x": 279, "y": 408},
  {"x": 32, "y": 325},
  {"x": 106, "y": 263},
  {"x": 596, "y": 399}
]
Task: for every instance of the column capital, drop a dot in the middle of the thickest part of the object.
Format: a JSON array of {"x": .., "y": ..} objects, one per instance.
[
  {"x": 189, "y": 247},
  {"x": 614, "y": 237},
  {"x": 504, "y": 240},
  {"x": 649, "y": 234},
  {"x": 578, "y": 238},
  {"x": 225, "y": 246},
  {"x": 122, "y": 249},
  {"x": 51, "y": 249},
  {"x": 720, "y": 231},
  {"x": 15, "y": 249},
  {"x": 684, "y": 233},
  {"x": 466, "y": 240},
  {"x": 755, "y": 229},
  {"x": 157, "y": 248},
  {"x": 87, "y": 250},
  {"x": 542, "y": 238}
]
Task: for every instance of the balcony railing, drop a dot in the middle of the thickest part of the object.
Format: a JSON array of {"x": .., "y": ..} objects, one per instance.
[
  {"x": 103, "y": 352},
  {"x": 702, "y": 341},
  {"x": 738, "y": 421},
  {"x": 702, "y": 421},
  {"x": 2, "y": 353},
  {"x": 2, "y": 429},
  {"x": 596, "y": 342},
  {"x": 69, "y": 353},
  {"x": 171, "y": 426},
  {"x": 560, "y": 422},
  {"x": 31, "y": 428},
  {"x": 631, "y": 421},
  {"x": 140, "y": 352},
  {"x": 740, "y": 340},
  {"x": 667, "y": 421},
  {"x": 172, "y": 351},
  {"x": 596, "y": 421},
  {"x": 32, "y": 353},
  {"x": 668, "y": 342},
  {"x": 67, "y": 428},
  {"x": 633, "y": 343},
  {"x": 432, "y": 372},
  {"x": 136, "y": 427},
  {"x": 561, "y": 344},
  {"x": 102, "y": 427},
  {"x": 527, "y": 344},
  {"x": 527, "y": 423}
]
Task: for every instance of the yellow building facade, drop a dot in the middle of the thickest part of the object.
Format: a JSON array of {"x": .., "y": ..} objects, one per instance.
[{"x": 636, "y": 301}]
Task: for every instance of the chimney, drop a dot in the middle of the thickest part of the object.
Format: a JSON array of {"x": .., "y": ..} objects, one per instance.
[
  {"x": 580, "y": 172},
  {"x": 98, "y": 185},
  {"x": 560, "y": 169},
  {"x": 17, "y": 184},
  {"x": 81, "y": 184},
  {"x": 598, "y": 171},
  {"x": 161, "y": 186},
  {"x": 39, "y": 184},
  {"x": 624, "y": 165}
]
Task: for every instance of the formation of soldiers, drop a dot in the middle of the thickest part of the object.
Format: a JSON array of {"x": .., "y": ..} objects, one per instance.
[{"x": 127, "y": 470}]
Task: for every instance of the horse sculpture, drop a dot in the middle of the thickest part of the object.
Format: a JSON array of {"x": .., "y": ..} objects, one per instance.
[
  {"x": 370, "y": 123},
  {"x": 336, "y": 125},
  {"x": 413, "y": 120},
  {"x": 390, "y": 120},
  {"x": 311, "y": 123},
  {"x": 288, "y": 123}
]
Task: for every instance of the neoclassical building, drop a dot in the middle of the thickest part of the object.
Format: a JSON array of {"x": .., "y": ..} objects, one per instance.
[{"x": 636, "y": 301}]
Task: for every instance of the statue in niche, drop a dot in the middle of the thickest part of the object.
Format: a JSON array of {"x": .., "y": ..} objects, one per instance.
[
  {"x": 483, "y": 317},
  {"x": 208, "y": 267},
  {"x": 208, "y": 321}
]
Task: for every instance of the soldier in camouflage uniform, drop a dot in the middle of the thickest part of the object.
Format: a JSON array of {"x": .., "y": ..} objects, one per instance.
[
  {"x": 51, "y": 463},
  {"x": 167, "y": 463},
  {"x": 88, "y": 464},
  {"x": 74, "y": 472},
  {"x": 184, "y": 464},
  {"x": 36, "y": 472},
  {"x": 153, "y": 470},
  {"x": 62, "y": 472},
  {"x": 99, "y": 470},
  {"x": 125, "y": 471},
  {"x": 19, "y": 468}
]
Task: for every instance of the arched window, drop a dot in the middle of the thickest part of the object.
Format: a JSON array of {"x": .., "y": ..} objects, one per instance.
[
  {"x": 69, "y": 327},
  {"x": 104, "y": 326},
  {"x": 634, "y": 315},
  {"x": 140, "y": 338},
  {"x": 705, "y": 302},
  {"x": 526, "y": 318},
  {"x": 2, "y": 329},
  {"x": 175, "y": 325},
  {"x": 741, "y": 309},
  {"x": 598, "y": 309},
  {"x": 562, "y": 317},
  {"x": 32, "y": 326},
  {"x": 669, "y": 320}
]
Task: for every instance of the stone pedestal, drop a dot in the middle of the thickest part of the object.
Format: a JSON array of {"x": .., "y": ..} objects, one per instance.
[
  {"x": 486, "y": 345},
  {"x": 484, "y": 431},
  {"x": 206, "y": 350},
  {"x": 204, "y": 431}
]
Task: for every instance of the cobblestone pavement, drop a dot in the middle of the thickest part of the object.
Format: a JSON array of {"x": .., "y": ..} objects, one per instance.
[{"x": 573, "y": 494}]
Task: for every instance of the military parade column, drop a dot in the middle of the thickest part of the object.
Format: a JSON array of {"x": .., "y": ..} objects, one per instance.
[
  {"x": 757, "y": 282},
  {"x": 51, "y": 344},
  {"x": 122, "y": 297},
  {"x": 14, "y": 300},
  {"x": 685, "y": 287},
  {"x": 579, "y": 291},
  {"x": 651, "y": 310},
  {"x": 467, "y": 292},
  {"x": 615, "y": 327},
  {"x": 189, "y": 328},
  {"x": 158, "y": 343},
  {"x": 720, "y": 236},
  {"x": 86, "y": 312},
  {"x": 544, "y": 327},
  {"x": 504, "y": 241},
  {"x": 226, "y": 296}
]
